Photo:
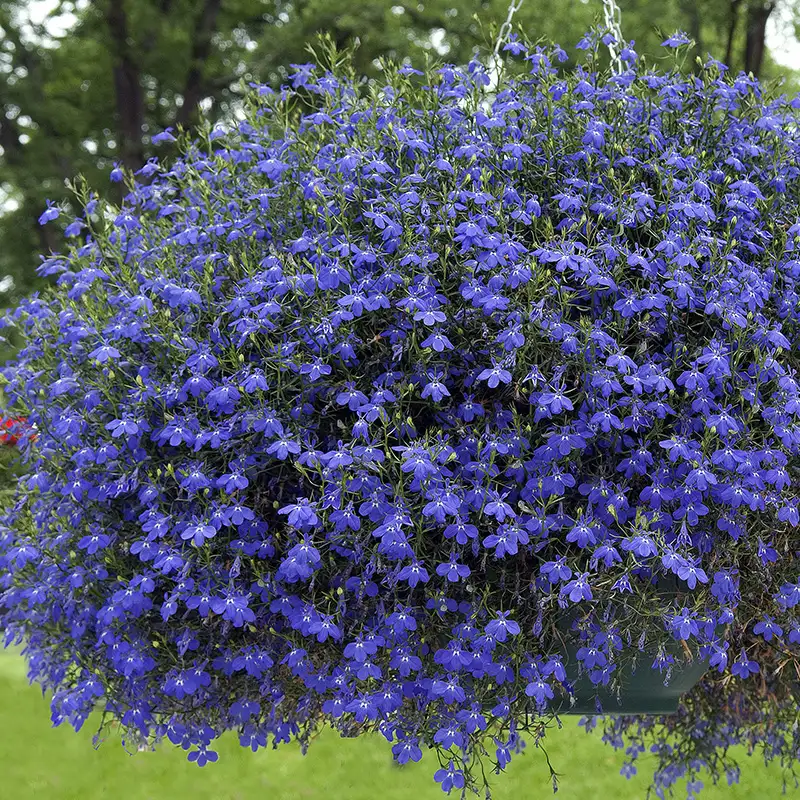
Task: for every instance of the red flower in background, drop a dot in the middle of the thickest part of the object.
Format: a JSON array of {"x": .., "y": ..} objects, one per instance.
[{"x": 9, "y": 424}]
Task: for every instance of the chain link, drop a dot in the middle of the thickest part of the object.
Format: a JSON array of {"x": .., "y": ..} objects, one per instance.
[
  {"x": 505, "y": 28},
  {"x": 612, "y": 17}
]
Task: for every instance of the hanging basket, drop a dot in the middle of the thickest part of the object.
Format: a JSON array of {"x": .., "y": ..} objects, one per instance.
[
  {"x": 638, "y": 687},
  {"x": 641, "y": 690}
]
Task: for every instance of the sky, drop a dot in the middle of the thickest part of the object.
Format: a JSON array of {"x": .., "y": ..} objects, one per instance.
[
  {"x": 38, "y": 11},
  {"x": 782, "y": 42}
]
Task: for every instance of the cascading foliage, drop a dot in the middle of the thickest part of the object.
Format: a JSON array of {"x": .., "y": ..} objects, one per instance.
[{"x": 358, "y": 411}]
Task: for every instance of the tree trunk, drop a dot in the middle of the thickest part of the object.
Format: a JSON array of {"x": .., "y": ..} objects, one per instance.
[
  {"x": 48, "y": 241},
  {"x": 201, "y": 47},
  {"x": 9, "y": 139},
  {"x": 758, "y": 12},
  {"x": 127, "y": 88},
  {"x": 693, "y": 12},
  {"x": 733, "y": 20}
]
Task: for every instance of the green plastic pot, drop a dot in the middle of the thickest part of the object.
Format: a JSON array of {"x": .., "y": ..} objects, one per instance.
[{"x": 641, "y": 691}]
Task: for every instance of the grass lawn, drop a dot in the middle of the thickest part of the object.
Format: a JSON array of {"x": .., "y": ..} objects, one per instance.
[{"x": 56, "y": 763}]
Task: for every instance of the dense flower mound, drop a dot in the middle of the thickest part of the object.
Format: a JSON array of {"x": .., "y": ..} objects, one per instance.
[{"x": 362, "y": 411}]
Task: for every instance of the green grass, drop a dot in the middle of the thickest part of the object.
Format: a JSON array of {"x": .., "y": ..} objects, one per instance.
[{"x": 56, "y": 763}]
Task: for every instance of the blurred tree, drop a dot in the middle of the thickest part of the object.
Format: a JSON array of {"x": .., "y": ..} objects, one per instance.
[{"x": 91, "y": 81}]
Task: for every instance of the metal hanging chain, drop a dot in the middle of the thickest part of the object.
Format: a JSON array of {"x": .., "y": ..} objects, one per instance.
[
  {"x": 612, "y": 17},
  {"x": 505, "y": 28}
]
